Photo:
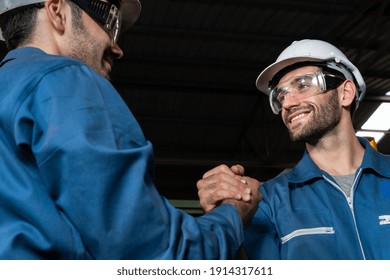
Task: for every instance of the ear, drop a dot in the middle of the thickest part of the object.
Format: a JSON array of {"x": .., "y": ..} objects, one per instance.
[
  {"x": 56, "y": 12},
  {"x": 348, "y": 93}
]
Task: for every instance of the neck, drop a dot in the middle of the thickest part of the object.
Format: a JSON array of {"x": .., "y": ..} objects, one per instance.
[
  {"x": 48, "y": 35},
  {"x": 338, "y": 153}
]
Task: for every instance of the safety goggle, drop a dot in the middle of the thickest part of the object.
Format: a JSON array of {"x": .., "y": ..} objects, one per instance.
[
  {"x": 106, "y": 14},
  {"x": 303, "y": 86}
]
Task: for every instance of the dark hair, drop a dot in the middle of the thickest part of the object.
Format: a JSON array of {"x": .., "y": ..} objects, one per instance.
[{"x": 17, "y": 25}]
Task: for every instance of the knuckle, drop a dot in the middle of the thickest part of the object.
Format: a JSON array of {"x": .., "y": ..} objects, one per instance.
[{"x": 200, "y": 184}]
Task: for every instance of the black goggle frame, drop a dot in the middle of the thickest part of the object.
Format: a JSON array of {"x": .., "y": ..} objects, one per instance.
[{"x": 106, "y": 14}]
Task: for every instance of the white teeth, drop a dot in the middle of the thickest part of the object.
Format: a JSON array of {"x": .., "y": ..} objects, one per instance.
[{"x": 298, "y": 117}]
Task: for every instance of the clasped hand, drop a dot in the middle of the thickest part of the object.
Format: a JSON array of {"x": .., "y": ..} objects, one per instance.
[{"x": 224, "y": 184}]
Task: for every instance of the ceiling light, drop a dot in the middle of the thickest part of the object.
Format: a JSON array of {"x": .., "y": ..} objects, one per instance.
[{"x": 378, "y": 123}]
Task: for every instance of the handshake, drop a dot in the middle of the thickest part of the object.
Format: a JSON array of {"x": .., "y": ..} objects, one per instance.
[{"x": 224, "y": 184}]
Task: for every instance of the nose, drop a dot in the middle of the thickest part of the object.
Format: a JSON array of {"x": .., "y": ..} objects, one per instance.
[
  {"x": 290, "y": 101},
  {"x": 116, "y": 51}
]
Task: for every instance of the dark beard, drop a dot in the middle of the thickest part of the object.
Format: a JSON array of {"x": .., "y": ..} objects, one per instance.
[{"x": 327, "y": 119}]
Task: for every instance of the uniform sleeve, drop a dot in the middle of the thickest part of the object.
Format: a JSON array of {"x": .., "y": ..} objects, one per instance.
[
  {"x": 261, "y": 239},
  {"x": 97, "y": 167}
]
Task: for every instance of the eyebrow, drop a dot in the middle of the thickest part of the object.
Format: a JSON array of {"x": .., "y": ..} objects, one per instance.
[{"x": 297, "y": 78}]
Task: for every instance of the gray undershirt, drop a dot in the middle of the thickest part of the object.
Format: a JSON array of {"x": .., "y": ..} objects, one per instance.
[{"x": 345, "y": 183}]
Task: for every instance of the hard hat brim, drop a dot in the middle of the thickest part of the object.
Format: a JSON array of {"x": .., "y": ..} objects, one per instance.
[
  {"x": 262, "y": 81},
  {"x": 131, "y": 10}
]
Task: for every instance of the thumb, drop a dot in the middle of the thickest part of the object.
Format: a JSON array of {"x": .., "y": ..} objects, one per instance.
[{"x": 238, "y": 169}]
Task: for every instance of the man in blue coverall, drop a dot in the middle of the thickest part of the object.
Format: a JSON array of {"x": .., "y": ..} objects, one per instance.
[
  {"x": 76, "y": 181},
  {"x": 335, "y": 203}
]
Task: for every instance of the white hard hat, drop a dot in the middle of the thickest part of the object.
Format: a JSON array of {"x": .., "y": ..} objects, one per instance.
[
  {"x": 130, "y": 9},
  {"x": 7, "y": 5},
  {"x": 315, "y": 51}
]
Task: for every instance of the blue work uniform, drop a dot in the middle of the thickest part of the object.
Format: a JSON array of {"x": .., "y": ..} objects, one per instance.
[
  {"x": 76, "y": 173},
  {"x": 304, "y": 214}
]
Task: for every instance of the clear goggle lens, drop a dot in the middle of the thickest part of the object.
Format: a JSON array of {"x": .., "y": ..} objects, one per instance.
[
  {"x": 114, "y": 22},
  {"x": 106, "y": 14},
  {"x": 301, "y": 87}
]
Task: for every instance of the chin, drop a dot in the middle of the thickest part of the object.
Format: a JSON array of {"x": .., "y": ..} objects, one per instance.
[
  {"x": 107, "y": 76},
  {"x": 298, "y": 135}
]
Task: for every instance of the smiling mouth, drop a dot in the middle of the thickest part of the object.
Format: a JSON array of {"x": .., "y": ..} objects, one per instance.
[
  {"x": 298, "y": 116},
  {"x": 107, "y": 65},
  {"x": 108, "y": 60}
]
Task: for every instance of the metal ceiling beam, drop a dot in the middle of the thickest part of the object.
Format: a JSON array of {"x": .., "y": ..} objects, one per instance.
[
  {"x": 184, "y": 86},
  {"x": 193, "y": 61},
  {"x": 377, "y": 98},
  {"x": 158, "y": 31},
  {"x": 371, "y": 32},
  {"x": 250, "y": 66},
  {"x": 288, "y": 5}
]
